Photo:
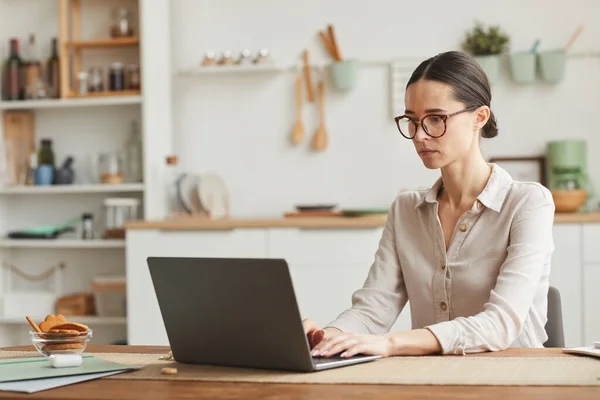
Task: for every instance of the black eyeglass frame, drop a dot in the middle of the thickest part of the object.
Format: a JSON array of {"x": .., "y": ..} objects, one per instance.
[{"x": 444, "y": 117}]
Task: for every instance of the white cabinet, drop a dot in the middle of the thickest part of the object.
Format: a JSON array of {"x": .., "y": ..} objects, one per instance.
[
  {"x": 591, "y": 278},
  {"x": 143, "y": 314},
  {"x": 566, "y": 276}
]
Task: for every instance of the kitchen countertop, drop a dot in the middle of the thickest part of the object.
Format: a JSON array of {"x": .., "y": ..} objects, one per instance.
[{"x": 368, "y": 221}]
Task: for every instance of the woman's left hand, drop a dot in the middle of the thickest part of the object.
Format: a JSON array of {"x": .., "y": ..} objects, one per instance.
[{"x": 350, "y": 344}]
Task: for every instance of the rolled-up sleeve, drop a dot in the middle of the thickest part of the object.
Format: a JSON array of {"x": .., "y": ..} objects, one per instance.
[
  {"x": 528, "y": 259},
  {"x": 376, "y": 306}
]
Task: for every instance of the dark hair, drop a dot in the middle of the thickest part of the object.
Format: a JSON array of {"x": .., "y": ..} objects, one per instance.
[{"x": 466, "y": 78}]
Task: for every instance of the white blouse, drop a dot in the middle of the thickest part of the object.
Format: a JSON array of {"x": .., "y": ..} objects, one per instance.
[{"x": 488, "y": 292}]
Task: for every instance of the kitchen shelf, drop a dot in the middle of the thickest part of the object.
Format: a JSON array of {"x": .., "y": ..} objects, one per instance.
[
  {"x": 72, "y": 102},
  {"x": 91, "y": 321},
  {"x": 232, "y": 69},
  {"x": 64, "y": 189},
  {"x": 62, "y": 243},
  {"x": 106, "y": 94},
  {"x": 110, "y": 42}
]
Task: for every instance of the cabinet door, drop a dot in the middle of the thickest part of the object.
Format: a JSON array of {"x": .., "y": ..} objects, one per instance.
[
  {"x": 566, "y": 276},
  {"x": 145, "y": 323},
  {"x": 325, "y": 291},
  {"x": 591, "y": 307},
  {"x": 591, "y": 243}
]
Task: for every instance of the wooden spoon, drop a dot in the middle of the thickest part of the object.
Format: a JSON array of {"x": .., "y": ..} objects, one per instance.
[
  {"x": 298, "y": 131},
  {"x": 319, "y": 140}
]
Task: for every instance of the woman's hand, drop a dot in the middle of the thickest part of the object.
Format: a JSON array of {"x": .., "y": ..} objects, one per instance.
[
  {"x": 316, "y": 335},
  {"x": 350, "y": 344}
]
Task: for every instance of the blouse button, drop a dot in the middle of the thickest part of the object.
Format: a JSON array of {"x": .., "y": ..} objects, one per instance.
[
  {"x": 444, "y": 306},
  {"x": 443, "y": 267},
  {"x": 479, "y": 205},
  {"x": 462, "y": 227}
]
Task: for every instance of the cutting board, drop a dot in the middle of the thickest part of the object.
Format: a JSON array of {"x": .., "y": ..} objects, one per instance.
[
  {"x": 19, "y": 140},
  {"x": 316, "y": 213}
]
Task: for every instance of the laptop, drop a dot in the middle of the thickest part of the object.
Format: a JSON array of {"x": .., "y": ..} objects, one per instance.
[{"x": 235, "y": 312}]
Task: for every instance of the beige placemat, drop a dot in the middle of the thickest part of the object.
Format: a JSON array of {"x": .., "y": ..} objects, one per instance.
[{"x": 439, "y": 370}]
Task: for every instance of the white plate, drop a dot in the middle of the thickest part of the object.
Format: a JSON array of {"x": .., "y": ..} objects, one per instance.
[
  {"x": 213, "y": 195},
  {"x": 187, "y": 192}
]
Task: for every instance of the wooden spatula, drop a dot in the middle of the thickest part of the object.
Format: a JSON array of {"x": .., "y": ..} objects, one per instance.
[
  {"x": 298, "y": 130},
  {"x": 319, "y": 140}
]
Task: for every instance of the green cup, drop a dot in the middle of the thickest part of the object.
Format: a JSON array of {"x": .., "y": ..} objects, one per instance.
[
  {"x": 522, "y": 67},
  {"x": 344, "y": 74},
  {"x": 490, "y": 65},
  {"x": 552, "y": 65}
]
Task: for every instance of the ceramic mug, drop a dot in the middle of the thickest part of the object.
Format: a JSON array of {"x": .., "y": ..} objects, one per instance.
[
  {"x": 44, "y": 175},
  {"x": 344, "y": 74}
]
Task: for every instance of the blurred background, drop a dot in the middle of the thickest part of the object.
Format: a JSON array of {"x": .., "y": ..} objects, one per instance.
[{"x": 264, "y": 128}]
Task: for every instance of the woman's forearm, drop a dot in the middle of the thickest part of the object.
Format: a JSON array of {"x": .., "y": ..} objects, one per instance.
[{"x": 418, "y": 342}]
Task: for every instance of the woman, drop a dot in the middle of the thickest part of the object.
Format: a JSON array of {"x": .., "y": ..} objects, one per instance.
[{"x": 471, "y": 254}]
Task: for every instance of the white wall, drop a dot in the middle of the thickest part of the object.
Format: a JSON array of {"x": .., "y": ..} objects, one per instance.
[{"x": 239, "y": 125}]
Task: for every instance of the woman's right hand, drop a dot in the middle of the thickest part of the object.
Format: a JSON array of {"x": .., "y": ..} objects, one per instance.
[{"x": 316, "y": 335}]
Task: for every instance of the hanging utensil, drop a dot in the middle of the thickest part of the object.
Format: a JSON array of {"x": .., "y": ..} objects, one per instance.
[
  {"x": 320, "y": 140},
  {"x": 298, "y": 130},
  {"x": 308, "y": 77}
]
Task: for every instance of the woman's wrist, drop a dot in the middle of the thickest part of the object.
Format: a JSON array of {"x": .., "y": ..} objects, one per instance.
[
  {"x": 330, "y": 331},
  {"x": 417, "y": 342}
]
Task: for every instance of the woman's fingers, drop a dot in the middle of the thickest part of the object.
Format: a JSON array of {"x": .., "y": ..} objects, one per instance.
[
  {"x": 334, "y": 345},
  {"x": 360, "y": 348}
]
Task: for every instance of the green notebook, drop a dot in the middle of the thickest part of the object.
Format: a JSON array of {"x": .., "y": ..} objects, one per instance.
[{"x": 19, "y": 369}]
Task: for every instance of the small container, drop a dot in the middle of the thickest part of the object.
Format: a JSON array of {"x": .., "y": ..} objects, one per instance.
[
  {"x": 110, "y": 295},
  {"x": 111, "y": 167},
  {"x": 121, "y": 23},
  {"x": 48, "y": 344},
  {"x": 87, "y": 231},
  {"x": 133, "y": 77},
  {"x": 96, "y": 80},
  {"x": 117, "y": 77},
  {"x": 226, "y": 58},
  {"x": 118, "y": 211},
  {"x": 82, "y": 83},
  {"x": 210, "y": 59},
  {"x": 245, "y": 58},
  {"x": 262, "y": 57}
]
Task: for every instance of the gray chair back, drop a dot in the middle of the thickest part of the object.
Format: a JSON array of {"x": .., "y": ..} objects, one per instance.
[{"x": 554, "y": 325}]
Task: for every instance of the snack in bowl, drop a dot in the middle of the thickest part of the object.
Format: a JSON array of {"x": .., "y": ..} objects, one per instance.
[{"x": 56, "y": 335}]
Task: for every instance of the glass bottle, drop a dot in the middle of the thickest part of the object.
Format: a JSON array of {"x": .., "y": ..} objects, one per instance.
[
  {"x": 133, "y": 77},
  {"x": 33, "y": 70},
  {"x": 117, "y": 77},
  {"x": 133, "y": 149},
  {"x": 46, "y": 153},
  {"x": 96, "y": 80},
  {"x": 15, "y": 83},
  {"x": 171, "y": 177},
  {"x": 53, "y": 72}
]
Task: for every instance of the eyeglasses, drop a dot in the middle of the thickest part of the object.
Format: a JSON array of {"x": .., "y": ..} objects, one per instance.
[{"x": 433, "y": 124}]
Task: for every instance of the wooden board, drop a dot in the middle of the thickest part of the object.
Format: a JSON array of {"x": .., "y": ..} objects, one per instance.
[
  {"x": 316, "y": 213},
  {"x": 19, "y": 139}
]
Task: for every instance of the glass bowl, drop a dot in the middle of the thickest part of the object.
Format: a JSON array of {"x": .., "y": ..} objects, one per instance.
[{"x": 60, "y": 343}]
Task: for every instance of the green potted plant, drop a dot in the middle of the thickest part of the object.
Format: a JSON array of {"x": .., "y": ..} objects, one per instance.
[{"x": 486, "y": 46}]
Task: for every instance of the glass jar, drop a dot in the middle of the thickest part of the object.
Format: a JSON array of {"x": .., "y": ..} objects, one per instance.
[
  {"x": 111, "y": 167},
  {"x": 133, "y": 77},
  {"x": 117, "y": 77},
  {"x": 118, "y": 211},
  {"x": 121, "y": 23},
  {"x": 82, "y": 83},
  {"x": 96, "y": 80}
]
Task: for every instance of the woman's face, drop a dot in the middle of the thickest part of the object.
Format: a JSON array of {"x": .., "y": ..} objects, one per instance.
[{"x": 426, "y": 97}]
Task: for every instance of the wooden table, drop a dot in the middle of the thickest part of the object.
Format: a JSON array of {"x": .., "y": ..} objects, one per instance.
[{"x": 135, "y": 389}]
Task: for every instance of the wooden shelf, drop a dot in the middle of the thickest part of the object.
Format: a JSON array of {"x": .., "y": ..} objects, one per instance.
[
  {"x": 106, "y": 94},
  {"x": 91, "y": 321},
  {"x": 62, "y": 243},
  {"x": 74, "y": 102},
  {"x": 99, "y": 43},
  {"x": 64, "y": 189}
]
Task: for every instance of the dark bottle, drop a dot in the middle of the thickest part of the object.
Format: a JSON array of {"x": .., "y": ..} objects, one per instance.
[
  {"x": 53, "y": 72},
  {"x": 46, "y": 154},
  {"x": 14, "y": 77}
]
